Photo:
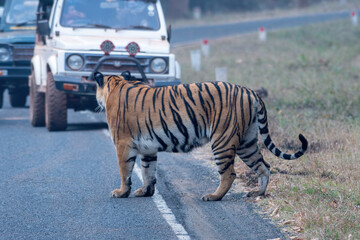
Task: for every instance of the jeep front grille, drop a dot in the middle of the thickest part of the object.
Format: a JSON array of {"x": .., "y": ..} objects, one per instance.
[
  {"x": 115, "y": 65},
  {"x": 22, "y": 52}
]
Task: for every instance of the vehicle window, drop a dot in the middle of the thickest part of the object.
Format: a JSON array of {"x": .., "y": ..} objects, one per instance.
[
  {"x": 22, "y": 11},
  {"x": 117, "y": 14}
]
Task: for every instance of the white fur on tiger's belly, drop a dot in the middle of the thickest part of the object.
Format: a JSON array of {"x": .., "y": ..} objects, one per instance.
[
  {"x": 150, "y": 146},
  {"x": 146, "y": 146}
]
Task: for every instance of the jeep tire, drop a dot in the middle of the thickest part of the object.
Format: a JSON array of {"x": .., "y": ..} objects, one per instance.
[
  {"x": 37, "y": 104},
  {"x": 55, "y": 106},
  {"x": 18, "y": 99}
]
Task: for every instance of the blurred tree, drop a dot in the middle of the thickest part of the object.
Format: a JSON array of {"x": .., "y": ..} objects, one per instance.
[{"x": 176, "y": 8}]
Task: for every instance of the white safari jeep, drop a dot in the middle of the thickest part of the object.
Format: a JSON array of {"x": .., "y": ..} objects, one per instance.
[{"x": 76, "y": 38}]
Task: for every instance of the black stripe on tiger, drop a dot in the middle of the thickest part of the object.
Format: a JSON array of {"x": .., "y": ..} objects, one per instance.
[
  {"x": 164, "y": 125},
  {"x": 149, "y": 159},
  {"x": 189, "y": 93},
  {"x": 163, "y": 144},
  {"x": 248, "y": 144},
  {"x": 143, "y": 100},
  {"x": 250, "y": 154},
  {"x": 264, "y": 130},
  {"x": 180, "y": 126},
  {"x": 250, "y": 105},
  {"x": 228, "y": 164},
  {"x": 163, "y": 101},
  {"x": 149, "y": 129},
  {"x": 173, "y": 101},
  {"x": 154, "y": 98},
  {"x": 192, "y": 117},
  {"x": 229, "y": 138},
  {"x": 220, "y": 111},
  {"x": 226, "y": 93},
  {"x": 132, "y": 159},
  {"x": 242, "y": 110},
  {"x": 210, "y": 95},
  {"x": 137, "y": 96},
  {"x": 225, "y": 150}
]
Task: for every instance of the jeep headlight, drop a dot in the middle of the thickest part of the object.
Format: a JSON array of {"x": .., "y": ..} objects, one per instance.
[
  {"x": 158, "y": 65},
  {"x": 4, "y": 54},
  {"x": 75, "y": 62}
]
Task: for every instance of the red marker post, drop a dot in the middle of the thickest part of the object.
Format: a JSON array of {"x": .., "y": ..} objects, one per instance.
[
  {"x": 354, "y": 18},
  {"x": 205, "y": 48},
  {"x": 262, "y": 34}
]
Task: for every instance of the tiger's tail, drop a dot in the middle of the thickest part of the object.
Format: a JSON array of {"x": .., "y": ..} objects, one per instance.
[{"x": 264, "y": 132}]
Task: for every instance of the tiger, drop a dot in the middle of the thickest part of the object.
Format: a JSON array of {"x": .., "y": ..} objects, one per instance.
[{"x": 144, "y": 120}]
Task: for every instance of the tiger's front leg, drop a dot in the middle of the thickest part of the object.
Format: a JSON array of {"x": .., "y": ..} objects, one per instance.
[
  {"x": 126, "y": 160},
  {"x": 148, "y": 171}
]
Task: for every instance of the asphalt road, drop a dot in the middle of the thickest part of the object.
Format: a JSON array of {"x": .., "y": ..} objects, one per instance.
[
  {"x": 191, "y": 34},
  {"x": 57, "y": 185}
]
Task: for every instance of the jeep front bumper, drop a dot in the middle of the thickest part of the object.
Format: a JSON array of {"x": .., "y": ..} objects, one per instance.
[
  {"x": 13, "y": 77},
  {"x": 81, "y": 85}
]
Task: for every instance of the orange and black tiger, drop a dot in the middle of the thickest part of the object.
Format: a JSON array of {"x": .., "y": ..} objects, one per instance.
[{"x": 146, "y": 120}]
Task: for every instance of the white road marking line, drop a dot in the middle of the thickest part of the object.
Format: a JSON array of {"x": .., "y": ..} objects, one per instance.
[
  {"x": 14, "y": 118},
  {"x": 166, "y": 212},
  {"x": 161, "y": 205}
]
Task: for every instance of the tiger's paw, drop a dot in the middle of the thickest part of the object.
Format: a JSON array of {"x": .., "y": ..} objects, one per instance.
[
  {"x": 145, "y": 191},
  {"x": 210, "y": 197},
  {"x": 117, "y": 193}
]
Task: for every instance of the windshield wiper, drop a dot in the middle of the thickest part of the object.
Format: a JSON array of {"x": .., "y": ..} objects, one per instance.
[
  {"x": 141, "y": 27},
  {"x": 25, "y": 23},
  {"x": 92, "y": 25}
]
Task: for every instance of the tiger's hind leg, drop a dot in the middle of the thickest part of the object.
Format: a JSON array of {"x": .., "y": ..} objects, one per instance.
[
  {"x": 126, "y": 161},
  {"x": 148, "y": 170},
  {"x": 225, "y": 162},
  {"x": 250, "y": 153}
]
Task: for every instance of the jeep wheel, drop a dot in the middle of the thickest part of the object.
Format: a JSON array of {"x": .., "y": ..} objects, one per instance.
[
  {"x": 55, "y": 106},
  {"x": 18, "y": 99},
  {"x": 37, "y": 105}
]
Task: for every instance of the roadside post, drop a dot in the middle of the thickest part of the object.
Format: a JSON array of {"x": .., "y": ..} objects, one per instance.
[
  {"x": 354, "y": 18},
  {"x": 197, "y": 13},
  {"x": 262, "y": 34},
  {"x": 205, "y": 48},
  {"x": 221, "y": 74},
  {"x": 196, "y": 59}
]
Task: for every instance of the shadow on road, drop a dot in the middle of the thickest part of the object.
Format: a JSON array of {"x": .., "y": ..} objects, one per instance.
[{"x": 86, "y": 126}]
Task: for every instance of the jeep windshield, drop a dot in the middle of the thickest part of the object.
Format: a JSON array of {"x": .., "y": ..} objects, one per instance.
[
  {"x": 22, "y": 12},
  {"x": 114, "y": 14}
]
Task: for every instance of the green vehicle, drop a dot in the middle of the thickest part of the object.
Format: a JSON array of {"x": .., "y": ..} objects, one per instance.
[{"x": 17, "y": 38}]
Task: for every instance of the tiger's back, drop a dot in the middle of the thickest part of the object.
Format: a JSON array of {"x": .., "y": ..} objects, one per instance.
[{"x": 144, "y": 120}]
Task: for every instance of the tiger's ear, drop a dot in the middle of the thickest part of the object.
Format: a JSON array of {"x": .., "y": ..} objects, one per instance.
[
  {"x": 99, "y": 78},
  {"x": 126, "y": 75}
]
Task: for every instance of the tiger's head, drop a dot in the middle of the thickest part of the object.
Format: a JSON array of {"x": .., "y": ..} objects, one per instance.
[{"x": 102, "y": 92}]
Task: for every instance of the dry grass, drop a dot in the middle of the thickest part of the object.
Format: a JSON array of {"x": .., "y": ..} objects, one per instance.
[
  {"x": 322, "y": 7},
  {"x": 312, "y": 75}
]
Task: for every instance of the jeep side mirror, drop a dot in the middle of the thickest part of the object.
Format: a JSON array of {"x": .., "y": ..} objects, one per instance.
[
  {"x": 43, "y": 27},
  {"x": 169, "y": 33}
]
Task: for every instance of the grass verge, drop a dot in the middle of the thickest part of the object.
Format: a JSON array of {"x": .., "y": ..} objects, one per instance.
[{"x": 312, "y": 75}]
